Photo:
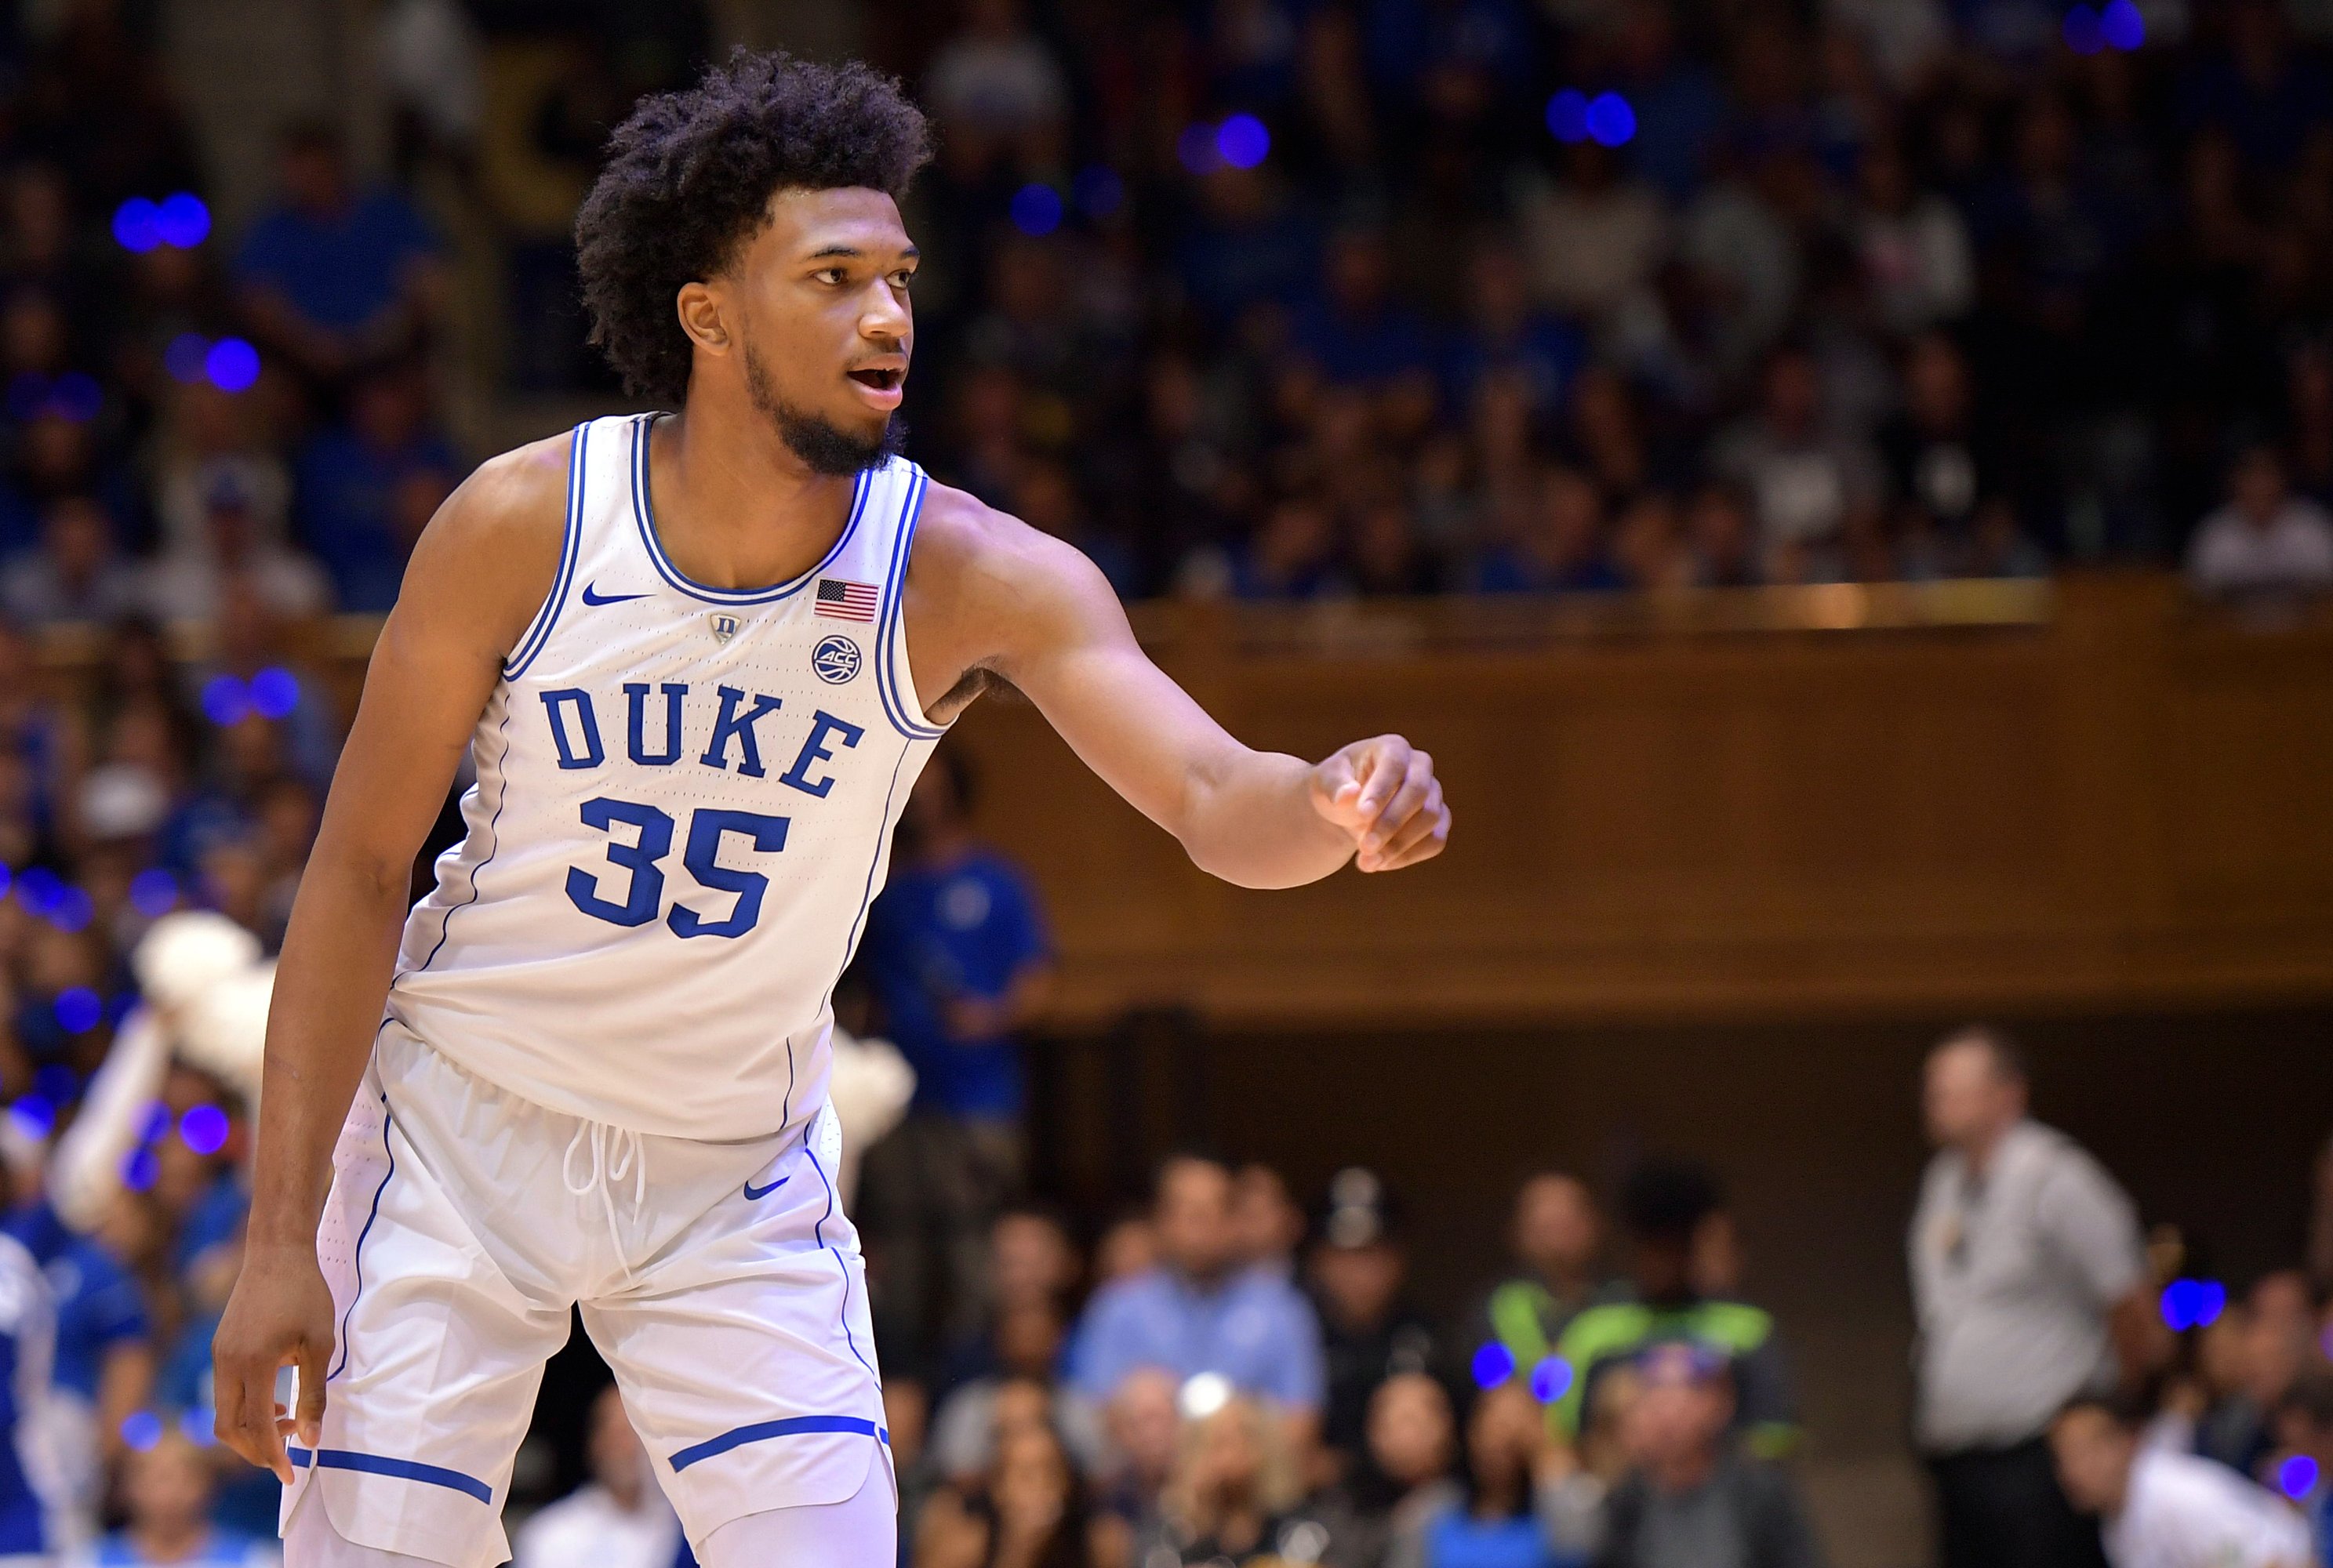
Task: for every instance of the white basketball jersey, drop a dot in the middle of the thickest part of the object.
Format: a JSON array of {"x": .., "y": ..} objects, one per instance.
[{"x": 684, "y": 806}]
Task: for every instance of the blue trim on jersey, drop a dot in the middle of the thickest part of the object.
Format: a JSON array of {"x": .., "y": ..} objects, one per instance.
[
  {"x": 904, "y": 712},
  {"x": 817, "y": 1233},
  {"x": 738, "y": 1436},
  {"x": 402, "y": 1470},
  {"x": 570, "y": 551},
  {"x": 644, "y": 512},
  {"x": 388, "y": 1125},
  {"x": 494, "y": 827}
]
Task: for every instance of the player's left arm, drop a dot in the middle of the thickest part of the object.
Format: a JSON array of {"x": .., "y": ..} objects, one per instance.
[{"x": 997, "y": 596}]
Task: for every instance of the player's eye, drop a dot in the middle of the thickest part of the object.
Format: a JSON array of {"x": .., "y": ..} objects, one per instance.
[
  {"x": 835, "y": 275},
  {"x": 903, "y": 277}
]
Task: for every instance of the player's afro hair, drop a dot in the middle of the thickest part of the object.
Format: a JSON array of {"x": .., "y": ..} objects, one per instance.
[{"x": 689, "y": 181}]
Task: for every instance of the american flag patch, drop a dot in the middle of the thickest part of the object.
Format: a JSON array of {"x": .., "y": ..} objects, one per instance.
[{"x": 847, "y": 601}]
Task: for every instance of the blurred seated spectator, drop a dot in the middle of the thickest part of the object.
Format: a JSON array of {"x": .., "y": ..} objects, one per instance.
[
  {"x": 2255, "y": 1352},
  {"x": 1027, "y": 1509},
  {"x": 76, "y": 574},
  {"x": 1045, "y": 497},
  {"x": 1370, "y": 1331},
  {"x": 1292, "y": 554},
  {"x": 1128, "y": 1246},
  {"x": 1913, "y": 245},
  {"x": 1562, "y": 543},
  {"x": 994, "y": 78},
  {"x": 1235, "y": 1480},
  {"x": 1667, "y": 1206},
  {"x": 2266, "y": 542},
  {"x": 1353, "y": 328},
  {"x": 1688, "y": 1500},
  {"x": 1935, "y": 460},
  {"x": 1413, "y": 1442},
  {"x": 1509, "y": 1459},
  {"x": 617, "y": 1519},
  {"x": 1723, "y": 537},
  {"x": 1803, "y": 478},
  {"x": 2160, "y": 1509},
  {"x": 367, "y": 488},
  {"x": 166, "y": 1488},
  {"x": 1143, "y": 1425},
  {"x": 1505, "y": 333},
  {"x": 105, "y": 1359},
  {"x": 1197, "y": 1311},
  {"x": 1031, "y": 1265},
  {"x": 213, "y": 442},
  {"x": 2304, "y": 1430},
  {"x": 1267, "y": 1226},
  {"x": 1557, "y": 1236},
  {"x": 1028, "y": 1350},
  {"x": 333, "y": 275},
  {"x": 195, "y": 584},
  {"x": 1594, "y": 235}
]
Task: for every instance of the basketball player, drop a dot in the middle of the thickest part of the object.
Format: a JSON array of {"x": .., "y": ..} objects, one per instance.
[{"x": 698, "y": 658}]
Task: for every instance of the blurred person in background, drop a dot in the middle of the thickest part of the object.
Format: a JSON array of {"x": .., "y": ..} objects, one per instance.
[
  {"x": 1267, "y": 1226},
  {"x": 166, "y": 1488},
  {"x": 1509, "y": 1458},
  {"x": 1358, "y": 1274},
  {"x": 356, "y": 505},
  {"x": 1235, "y": 1480},
  {"x": 1026, "y": 1509},
  {"x": 1032, "y": 1265},
  {"x": 617, "y": 1519},
  {"x": 1028, "y": 1347},
  {"x": 1412, "y": 1444},
  {"x": 1689, "y": 1499},
  {"x": 1807, "y": 479},
  {"x": 1197, "y": 1311},
  {"x": 27, "y": 1344},
  {"x": 1674, "y": 1212},
  {"x": 959, "y": 961},
  {"x": 1144, "y": 1424},
  {"x": 2304, "y": 1432},
  {"x": 2029, "y": 1288},
  {"x": 2266, "y": 542},
  {"x": 2159, "y": 1509},
  {"x": 77, "y": 574}
]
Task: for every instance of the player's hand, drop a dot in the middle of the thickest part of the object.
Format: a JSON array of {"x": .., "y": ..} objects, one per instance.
[
  {"x": 280, "y": 1314},
  {"x": 1383, "y": 792}
]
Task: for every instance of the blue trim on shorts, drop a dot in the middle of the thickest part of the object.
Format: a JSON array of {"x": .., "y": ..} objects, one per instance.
[
  {"x": 388, "y": 1125},
  {"x": 792, "y": 1426},
  {"x": 401, "y": 1469}
]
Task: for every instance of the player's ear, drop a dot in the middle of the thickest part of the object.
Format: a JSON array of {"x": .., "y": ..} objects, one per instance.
[{"x": 700, "y": 308}]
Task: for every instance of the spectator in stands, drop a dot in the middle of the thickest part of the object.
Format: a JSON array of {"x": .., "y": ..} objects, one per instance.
[
  {"x": 1411, "y": 1443},
  {"x": 1562, "y": 548},
  {"x": 167, "y": 1490},
  {"x": 1235, "y": 1480},
  {"x": 76, "y": 574},
  {"x": 335, "y": 276},
  {"x": 2266, "y": 542},
  {"x": 1806, "y": 480},
  {"x": 959, "y": 960},
  {"x": 1508, "y": 1458},
  {"x": 1197, "y": 1312},
  {"x": 1267, "y": 1226},
  {"x": 1027, "y": 1509},
  {"x": 1668, "y": 1207},
  {"x": 617, "y": 1519},
  {"x": 1689, "y": 1499},
  {"x": 2304, "y": 1429},
  {"x": 1370, "y": 1331},
  {"x": 2160, "y": 1509},
  {"x": 1143, "y": 1425},
  {"x": 366, "y": 488},
  {"x": 235, "y": 554},
  {"x": 1557, "y": 1238},
  {"x": 1028, "y": 1340},
  {"x": 2029, "y": 1288}
]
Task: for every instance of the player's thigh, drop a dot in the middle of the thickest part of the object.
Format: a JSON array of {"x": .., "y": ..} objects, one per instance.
[{"x": 860, "y": 1532}]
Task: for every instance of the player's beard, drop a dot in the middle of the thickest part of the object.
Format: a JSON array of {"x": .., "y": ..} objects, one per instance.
[{"x": 826, "y": 447}]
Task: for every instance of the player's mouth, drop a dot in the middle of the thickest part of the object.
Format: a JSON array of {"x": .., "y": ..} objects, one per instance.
[{"x": 881, "y": 385}]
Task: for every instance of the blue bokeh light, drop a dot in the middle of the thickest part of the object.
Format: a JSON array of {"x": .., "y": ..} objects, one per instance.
[
  {"x": 2297, "y": 1476},
  {"x": 232, "y": 364},
  {"x": 1243, "y": 142},
  {"x": 1551, "y": 1380},
  {"x": 204, "y": 1129},
  {"x": 137, "y": 225},
  {"x": 1099, "y": 191},
  {"x": 141, "y": 1169},
  {"x": 1036, "y": 208},
  {"x": 225, "y": 700},
  {"x": 79, "y": 1010},
  {"x": 73, "y": 911},
  {"x": 39, "y": 887},
  {"x": 1495, "y": 1363},
  {"x": 275, "y": 691},
  {"x": 1567, "y": 115},
  {"x": 2192, "y": 1303},
  {"x": 33, "y": 1116},
  {"x": 1610, "y": 121},
  {"x": 2083, "y": 35},
  {"x": 153, "y": 892},
  {"x": 184, "y": 358},
  {"x": 155, "y": 1122},
  {"x": 182, "y": 220},
  {"x": 1197, "y": 150},
  {"x": 197, "y": 1428},
  {"x": 141, "y": 1429},
  {"x": 2121, "y": 25}
]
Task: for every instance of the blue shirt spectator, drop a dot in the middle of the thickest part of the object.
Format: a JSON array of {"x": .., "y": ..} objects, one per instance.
[
  {"x": 27, "y": 1341},
  {"x": 956, "y": 949},
  {"x": 1195, "y": 1312},
  {"x": 1353, "y": 330},
  {"x": 99, "y": 1308},
  {"x": 367, "y": 488}
]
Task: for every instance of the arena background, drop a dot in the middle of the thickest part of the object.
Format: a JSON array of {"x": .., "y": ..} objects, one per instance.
[{"x": 1737, "y": 838}]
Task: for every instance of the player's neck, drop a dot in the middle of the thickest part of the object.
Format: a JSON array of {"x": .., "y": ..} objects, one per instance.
[{"x": 733, "y": 506}]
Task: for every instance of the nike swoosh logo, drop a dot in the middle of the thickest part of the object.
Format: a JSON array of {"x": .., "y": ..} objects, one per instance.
[
  {"x": 753, "y": 1192},
  {"x": 591, "y": 597}
]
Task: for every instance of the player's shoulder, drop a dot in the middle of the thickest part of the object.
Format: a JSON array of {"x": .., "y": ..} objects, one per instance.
[
  {"x": 973, "y": 559},
  {"x": 517, "y": 496},
  {"x": 486, "y": 563}
]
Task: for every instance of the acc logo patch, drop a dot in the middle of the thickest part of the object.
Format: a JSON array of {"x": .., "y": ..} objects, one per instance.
[{"x": 836, "y": 659}]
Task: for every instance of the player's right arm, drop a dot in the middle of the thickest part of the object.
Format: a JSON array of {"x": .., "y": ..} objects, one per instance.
[{"x": 478, "y": 575}]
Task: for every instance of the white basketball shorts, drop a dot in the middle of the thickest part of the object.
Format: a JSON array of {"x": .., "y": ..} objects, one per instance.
[{"x": 720, "y": 1282}]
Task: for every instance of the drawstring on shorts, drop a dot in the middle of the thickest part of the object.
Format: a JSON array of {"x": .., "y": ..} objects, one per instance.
[{"x": 615, "y": 1154}]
